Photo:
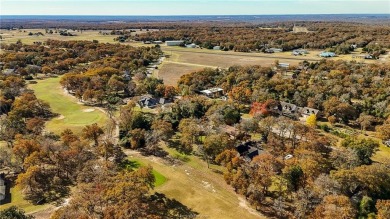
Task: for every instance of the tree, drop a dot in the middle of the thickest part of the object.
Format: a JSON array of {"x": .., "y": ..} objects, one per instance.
[
  {"x": 364, "y": 148},
  {"x": 24, "y": 148},
  {"x": 137, "y": 138},
  {"x": 383, "y": 208},
  {"x": 92, "y": 132},
  {"x": 311, "y": 121},
  {"x": 214, "y": 144},
  {"x": 35, "y": 125},
  {"x": 334, "y": 206},
  {"x": 365, "y": 121},
  {"x": 68, "y": 137},
  {"x": 345, "y": 158},
  {"x": 162, "y": 129},
  {"x": 190, "y": 131},
  {"x": 14, "y": 213},
  {"x": 384, "y": 130},
  {"x": 294, "y": 176}
]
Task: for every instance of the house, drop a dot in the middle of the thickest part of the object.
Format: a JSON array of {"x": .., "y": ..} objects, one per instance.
[
  {"x": 283, "y": 65},
  {"x": 327, "y": 54},
  {"x": 2, "y": 188},
  {"x": 289, "y": 110},
  {"x": 216, "y": 48},
  {"x": 9, "y": 71},
  {"x": 307, "y": 111},
  {"x": 147, "y": 42},
  {"x": 249, "y": 150},
  {"x": 174, "y": 43},
  {"x": 294, "y": 112},
  {"x": 163, "y": 101},
  {"x": 148, "y": 102},
  {"x": 213, "y": 92}
]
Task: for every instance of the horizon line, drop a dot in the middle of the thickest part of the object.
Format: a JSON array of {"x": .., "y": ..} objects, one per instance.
[{"x": 166, "y": 15}]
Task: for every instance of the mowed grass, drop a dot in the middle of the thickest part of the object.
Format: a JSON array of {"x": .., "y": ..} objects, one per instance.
[
  {"x": 18, "y": 201},
  {"x": 134, "y": 164},
  {"x": 71, "y": 114},
  {"x": 201, "y": 189}
]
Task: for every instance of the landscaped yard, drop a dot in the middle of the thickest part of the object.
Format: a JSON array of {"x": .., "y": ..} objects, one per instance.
[{"x": 71, "y": 114}]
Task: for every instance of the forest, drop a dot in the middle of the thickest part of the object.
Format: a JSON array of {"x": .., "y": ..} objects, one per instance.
[{"x": 335, "y": 36}]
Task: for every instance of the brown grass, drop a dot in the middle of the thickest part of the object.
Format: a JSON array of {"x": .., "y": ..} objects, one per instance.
[
  {"x": 199, "y": 188},
  {"x": 171, "y": 72}
]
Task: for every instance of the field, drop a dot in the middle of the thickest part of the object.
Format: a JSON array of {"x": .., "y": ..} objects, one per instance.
[
  {"x": 171, "y": 72},
  {"x": 71, "y": 114},
  {"x": 12, "y": 36},
  {"x": 184, "y": 60}
]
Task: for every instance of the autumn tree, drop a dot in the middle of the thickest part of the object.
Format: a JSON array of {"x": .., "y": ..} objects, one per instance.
[
  {"x": 364, "y": 148},
  {"x": 311, "y": 121},
  {"x": 383, "y": 207},
  {"x": 214, "y": 144},
  {"x": 92, "y": 132},
  {"x": 334, "y": 206}
]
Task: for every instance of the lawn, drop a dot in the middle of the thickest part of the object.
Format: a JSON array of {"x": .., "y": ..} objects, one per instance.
[
  {"x": 18, "y": 201},
  {"x": 134, "y": 164},
  {"x": 197, "y": 187},
  {"x": 71, "y": 114}
]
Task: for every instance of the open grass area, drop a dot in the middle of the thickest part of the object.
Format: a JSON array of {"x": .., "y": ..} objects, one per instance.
[
  {"x": 18, "y": 201},
  {"x": 170, "y": 73},
  {"x": 71, "y": 114},
  {"x": 197, "y": 187},
  {"x": 12, "y": 36},
  {"x": 134, "y": 164}
]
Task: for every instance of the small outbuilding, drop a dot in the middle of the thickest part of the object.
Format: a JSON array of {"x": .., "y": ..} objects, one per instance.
[
  {"x": 213, "y": 92},
  {"x": 174, "y": 43},
  {"x": 327, "y": 54}
]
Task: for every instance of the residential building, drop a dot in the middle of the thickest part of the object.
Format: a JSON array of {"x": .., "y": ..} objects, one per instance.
[
  {"x": 174, "y": 43},
  {"x": 213, "y": 92}
]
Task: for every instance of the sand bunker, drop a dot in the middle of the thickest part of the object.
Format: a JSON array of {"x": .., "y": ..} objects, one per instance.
[
  {"x": 60, "y": 117},
  {"x": 88, "y": 110}
]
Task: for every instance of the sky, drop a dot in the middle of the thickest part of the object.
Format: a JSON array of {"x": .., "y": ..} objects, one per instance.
[{"x": 192, "y": 7}]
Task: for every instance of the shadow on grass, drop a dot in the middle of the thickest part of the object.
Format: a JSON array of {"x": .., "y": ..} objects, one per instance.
[
  {"x": 170, "y": 208},
  {"x": 130, "y": 165},
  {"x": 174, "y": 143}
]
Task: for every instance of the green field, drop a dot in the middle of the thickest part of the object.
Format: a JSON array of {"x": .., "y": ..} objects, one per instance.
[{"x": 71, "y": 114}]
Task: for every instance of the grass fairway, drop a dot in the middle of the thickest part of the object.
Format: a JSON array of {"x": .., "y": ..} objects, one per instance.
[
  {"x": 197, "y": 187},
  {"x": 134, "y": 164},
  {"x": 72, "y": 115}
]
